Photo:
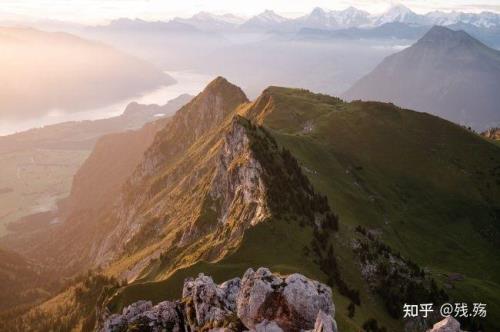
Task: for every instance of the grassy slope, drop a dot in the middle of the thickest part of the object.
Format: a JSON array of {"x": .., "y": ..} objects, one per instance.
[{"x": 427, "y": 185}]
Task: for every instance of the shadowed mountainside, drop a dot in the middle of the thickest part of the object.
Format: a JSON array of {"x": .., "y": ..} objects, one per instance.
[
  {"x": 22, "y": 282},
  {"x": 446, "y": 73}
]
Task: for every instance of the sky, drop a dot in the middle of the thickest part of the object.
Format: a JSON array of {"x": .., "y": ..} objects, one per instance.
[{"x": 96, "y": 11}]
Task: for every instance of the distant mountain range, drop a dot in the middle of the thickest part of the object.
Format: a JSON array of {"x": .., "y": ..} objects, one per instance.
[
  {"x": 447, "y": 73},
  {"x": 209, "y": 21},
  {"x": 399, "y": 22},
  {"x": 320, "y": 18}
]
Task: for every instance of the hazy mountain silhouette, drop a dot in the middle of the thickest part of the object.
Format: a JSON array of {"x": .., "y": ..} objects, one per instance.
[
  {"x": 46, "y": 72},
  {"x": 447, "y": 73}
]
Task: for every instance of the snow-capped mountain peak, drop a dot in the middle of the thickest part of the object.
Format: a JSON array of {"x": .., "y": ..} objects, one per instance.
[
  {"x": 270, "y": 17},
  {"x": 318, "y": 11},
  {"x": 211, "y": 22},
  {"x": 398, "y": 13},
  {"x": 324, "y": 19},
  {"x": 351, "y": 17},
  {"x": 227, "y": 18},
  {"x": 482, "y": 20},
  {"x": 319, "y": 18},
  {"x": 268, "y": 20}
]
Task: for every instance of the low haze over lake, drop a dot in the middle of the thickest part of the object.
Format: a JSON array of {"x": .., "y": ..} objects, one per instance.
[{"x": 185, "y": 82}]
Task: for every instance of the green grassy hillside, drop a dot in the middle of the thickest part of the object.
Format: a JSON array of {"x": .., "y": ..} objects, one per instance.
[{"x": 430, "y": 188}]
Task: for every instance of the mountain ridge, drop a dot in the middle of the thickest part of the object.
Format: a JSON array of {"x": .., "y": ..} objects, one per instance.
[
  {"x": 352, "y": 17},
  {"x": 254, "y": 185}
]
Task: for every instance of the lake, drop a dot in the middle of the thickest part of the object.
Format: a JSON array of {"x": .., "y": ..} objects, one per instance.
[{"x": 187, "y": 82}]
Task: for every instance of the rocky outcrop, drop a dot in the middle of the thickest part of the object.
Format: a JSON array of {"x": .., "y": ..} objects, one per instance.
[
  {"x": 449, "y": 324},
  {"x": 208, "y": 303},
  {"x": 325, "y": 323},
  {"x": 261, "y": 301},
  {"x": 143, "y": 316},
  {"x": 492, "y": 133},
  {"x": 293, "y": 302}
]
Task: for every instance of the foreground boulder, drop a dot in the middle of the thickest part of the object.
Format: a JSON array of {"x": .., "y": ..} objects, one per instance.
[
  {"x": 261, "y": 301},
  {"x": 325, "y": 323},
  {"x": 210, "y": 305},
  {"x": 143, "y": 316},
  {"x": 449, "y": 324},
  {"x": 292, "y": 302}
]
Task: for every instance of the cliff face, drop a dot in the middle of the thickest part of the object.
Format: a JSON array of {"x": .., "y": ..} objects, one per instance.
[{"x": 238, "y": 185}]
